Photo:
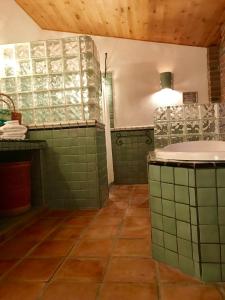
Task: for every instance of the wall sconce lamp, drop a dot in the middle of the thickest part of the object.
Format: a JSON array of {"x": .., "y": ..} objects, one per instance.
[{"x": 166, "y": 80}]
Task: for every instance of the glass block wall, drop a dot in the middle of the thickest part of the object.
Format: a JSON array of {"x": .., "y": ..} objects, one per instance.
[
  {"x": 176, "y": 124},
  {"x": 52, "y": 81}
]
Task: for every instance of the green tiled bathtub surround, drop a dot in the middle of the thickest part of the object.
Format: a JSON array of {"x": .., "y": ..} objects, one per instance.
[
  {"x": 75, "y": 166},
  {"x": 188, "y": 218},
  {"x": 130, "y": 148}
]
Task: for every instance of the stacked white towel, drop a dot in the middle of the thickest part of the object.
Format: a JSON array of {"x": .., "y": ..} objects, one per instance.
[{"x": 12, "y": 130}]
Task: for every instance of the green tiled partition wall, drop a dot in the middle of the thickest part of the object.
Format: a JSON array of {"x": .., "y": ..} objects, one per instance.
[
  {"x": 75, "y": 168},
  {"x": 130, "y": 148},
  {"x": 188, "y": 218}
]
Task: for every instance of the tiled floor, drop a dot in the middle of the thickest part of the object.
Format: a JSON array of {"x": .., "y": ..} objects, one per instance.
[{"x": 94, "y": 255}]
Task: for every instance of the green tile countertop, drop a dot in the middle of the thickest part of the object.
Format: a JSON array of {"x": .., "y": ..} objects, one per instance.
[{"x": 15, "y": 145}]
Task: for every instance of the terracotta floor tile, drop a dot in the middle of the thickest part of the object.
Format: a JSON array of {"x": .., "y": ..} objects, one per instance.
[
  {"x": 142, "y": 231},
  {"x": 5, "y": 265},
  {"x": 100, "y": 232},
  {"x": 136, "y": 221},
  {"x": 138, "y": 212},
  {"x": 86, "y": 269},
  {"x": 23, "y": 290},
  {"x": 139, "y": 202},
  {"x": 52, "y": 249},
  {"x": 66, "y": 233},
  {"x": 104, "y": 220},
  {"x": 188, "y": 292},
  {"x": 15, "y": 248},
  {"x": 140, "y": 270},
  {"x": 85, "y": 213},
  {"x": 128, "y": 291},
  {"x": 59, "y": 290},
  {"x": 113, "y": 212},
  {"x": 171, "y": 275},
  {"x": 132, "y": 247},
  {"x": 58, "y": 214},
  {"x": 35, "y": 269},
  {"x": 79, "y": 221},
  {"x": 94, "y": 248},
  {"x": 120, "y": 205}
]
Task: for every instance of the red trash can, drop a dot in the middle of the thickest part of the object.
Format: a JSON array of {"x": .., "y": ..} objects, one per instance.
[{"x": 15, "y": 188}]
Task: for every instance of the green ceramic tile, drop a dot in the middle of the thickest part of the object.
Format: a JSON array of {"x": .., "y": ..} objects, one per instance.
[
  {"x": 206, "y": 196},
  {"x": 186, "y": 265},
  {"x": 194, "y": 233},
  {"x": 209, "y": 233},
  {"x": 169, "y": 225},
  {"x": 208, "y": 215},
  {"x": 184, "y": 247},
  {"x": 158, "y": 253},
  {"x": 221, "y": 196},
  {"x": 170, "y": 242},
  {"x": 167, "y": 174},
  {"x": 194, "y": 219},
  {"x": 222, "y": 253},
  {"x": 156, "y": 220},
  {"x": 210, "y": 253},
  {"x": 167, "y": 191},
  {"x": 182, "y": 212},
  {"x": 191, "y": 177},
  {"x": 157, "y": 237},
  {"x": 156, "y": 204},
  {"x": 192, "y": 196},
  {"x": 205, "y": 178},
  {"x": 168, "y": 208},
  {"x": 154, "y": 172},
  {"x": 223, "y": 272},
  {"x": 221, "y": 214},
  {"x": 155, "y": 188},
  {"x": 181, "y": 194},
  {"x": 181, "y": 176},
  {"x": 211, "y": 272},
  {"x": 197, "y": 270},
  {"x": 222, "y": 234},
  {"x": 220, "y": 176},
  {"x": 171, "y": 258},
  {"x": 184, "y": 230},
  {"x": 195, "y": 253}
]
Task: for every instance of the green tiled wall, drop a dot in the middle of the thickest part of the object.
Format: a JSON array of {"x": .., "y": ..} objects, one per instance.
[
  {"x": 188, "y": 219},
  {"x": 130, "y": 149},
  {"x": 75, "y": 167}
]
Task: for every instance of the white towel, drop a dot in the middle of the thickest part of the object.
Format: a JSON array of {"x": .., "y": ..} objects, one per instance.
[
  {"x": 21, "y": 130},
  {"x": 11, "y": 137}
]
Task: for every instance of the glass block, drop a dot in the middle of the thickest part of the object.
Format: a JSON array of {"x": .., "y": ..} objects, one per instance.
[
  {"x": 91, "y": 112},
  {"x": 58, "y": 114},
  {"x": 24, "y": 67},
  {"x": 40, "y": 66},
  {"x": 22, "y": 51},
  {"x": 88, "y": 61},
  {"x": 208, "y": 125},
  {"x": 221, "y": 137},
  {"x": 40, "y": 83},
  {"x": 221, "y": 125},
  {"x": 57, "y": 98},
  {"x": 55, "y": 65},
  {"x": 74, "y": 112},
  {"x": 24, "y": 84},
  {"x": 8, "y": 52},
  {"x": 73, "y": 96},
  {"x": 88, "y": 78},
  {"x": 221, "y": 110},
  {"x": 191, "y": 112},
  {"x": 71, "y": 46},
  {"x": 210, "y": 137},
  {"x": 8, "y": 85},
  {"x": 161, "y": 128},
  {"x": 41, "y": 99},
  {"x": 161, "y": 114},
  {"x": 72, "y": 80},
  {"x": 15, "y": 100},
  {"x": 89, "y": 93},
  {"x": 161, "y": 141},
  {"x": 176, "y": 128},
  {"x": 177, "y": 139},
  {"x": 42, "y": 115},
  {"x": 54, "y": 48},
  {"x": 193, "y": 127},
  {"x": 72, "y": 64},
  {"x": 55, "y": 82},
  {"x": 9, "y": 68},
  {"x": 176, "y": 113},
  {"x": 38, "y": 49},
  {"x": 193, "y": 137},
  {"x": 86, "y": 44},
  {"x": 25, "y": 100},
  {"x": 207, "y": 111},
  {"x": 27, "y": 117}
]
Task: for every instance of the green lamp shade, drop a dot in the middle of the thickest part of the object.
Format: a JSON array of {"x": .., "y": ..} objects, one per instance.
[{"x": 166, "y": 80}]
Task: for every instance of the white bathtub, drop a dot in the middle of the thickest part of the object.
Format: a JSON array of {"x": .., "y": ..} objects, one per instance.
[{"x": 195, "y": 151}]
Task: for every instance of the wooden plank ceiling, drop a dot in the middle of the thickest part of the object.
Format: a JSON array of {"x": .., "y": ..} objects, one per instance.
[{"x": 185, "y": 22}]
